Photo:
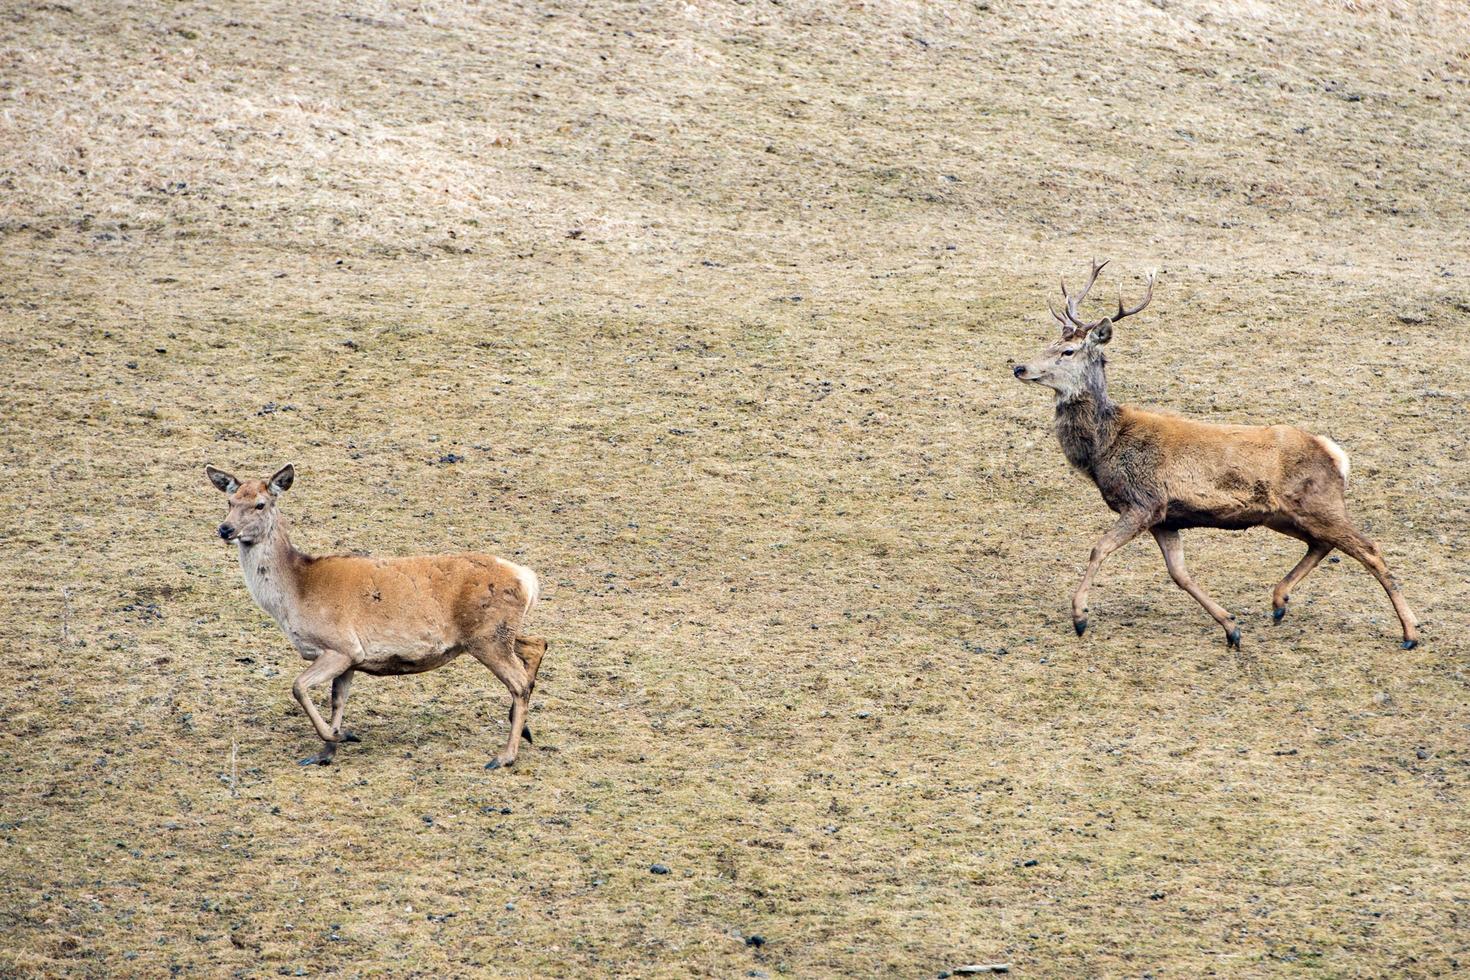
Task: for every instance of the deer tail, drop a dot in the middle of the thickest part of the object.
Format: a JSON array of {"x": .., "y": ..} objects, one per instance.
[{"x": 1339, "y": 457}]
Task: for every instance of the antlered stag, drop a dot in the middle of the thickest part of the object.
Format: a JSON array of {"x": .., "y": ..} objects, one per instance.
[
  {"x": 350, "y": 615},
  {"x": 1163, "y": 474}
]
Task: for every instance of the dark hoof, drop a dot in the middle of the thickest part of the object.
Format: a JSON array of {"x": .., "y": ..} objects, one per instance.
[
  {"x": 1232, "y": 639},
  {"x": 1410, "y": 644},
  {"x": 350, "y": 737},
  {"x": 1278, "y": 614},
  {"x": 1080, "y": 625},
  {"x": 493, "y": 764},
  {"x": 316, "y": 760}
]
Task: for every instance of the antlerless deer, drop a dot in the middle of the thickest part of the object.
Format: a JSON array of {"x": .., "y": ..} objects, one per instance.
[
  {"x": 380, "y": 616},
  {"x": 1163, "y": 474}
]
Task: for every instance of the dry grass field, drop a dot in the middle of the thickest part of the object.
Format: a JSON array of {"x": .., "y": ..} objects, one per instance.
[{"x": 706, "y": 311}]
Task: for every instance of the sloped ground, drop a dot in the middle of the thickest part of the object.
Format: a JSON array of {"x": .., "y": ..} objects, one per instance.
[{"x": 717, "y": 303}]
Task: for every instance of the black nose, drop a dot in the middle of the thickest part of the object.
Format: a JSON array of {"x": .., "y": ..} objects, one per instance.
[
  {"x": 227, "y": 531},
  {"x": 1018, "y": 369}
]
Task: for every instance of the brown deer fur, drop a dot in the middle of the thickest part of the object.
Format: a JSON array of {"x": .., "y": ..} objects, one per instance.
[
  {"x": 1163, "y": 474},
  {"x": 381, "y": 616}
]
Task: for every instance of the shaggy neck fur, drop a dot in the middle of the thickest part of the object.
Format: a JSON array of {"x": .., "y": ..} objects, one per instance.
[
  {"x": 270, "y": 571},
  {"x": 1087, "y": 421}
]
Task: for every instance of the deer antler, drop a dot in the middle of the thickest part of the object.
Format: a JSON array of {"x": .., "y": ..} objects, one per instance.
[
  {"x": 1061, "y": 321},
  {"x": 1072, "y": 301},
  {"x": 1146, "y": 297},
  {"x": 1080, "y": 328}
]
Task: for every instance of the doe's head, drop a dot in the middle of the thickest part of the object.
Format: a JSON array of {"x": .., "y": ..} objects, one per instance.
[
  {"x": 1068, "y": 365},
  {"x": 252, "y": 514}
]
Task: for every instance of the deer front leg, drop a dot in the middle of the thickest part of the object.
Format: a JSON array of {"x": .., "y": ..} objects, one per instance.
[
  {"x": 1173, "y": 549},
  {"x": 329, "y": 665},
  {"x": 1281, "y": 595},
  {"x": 1130, "y": 525},
  {"x": 340, "y": 686}
]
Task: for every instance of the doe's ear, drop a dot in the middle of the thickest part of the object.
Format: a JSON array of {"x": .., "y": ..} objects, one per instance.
[
  {"x": 282, "y": 480},
  {"x": 223, "y": 482},
  {"x": 1102, "y": 333}
]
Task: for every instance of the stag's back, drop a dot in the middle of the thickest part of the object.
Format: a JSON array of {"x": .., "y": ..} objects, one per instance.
[{"x": 1210, "y": 475}]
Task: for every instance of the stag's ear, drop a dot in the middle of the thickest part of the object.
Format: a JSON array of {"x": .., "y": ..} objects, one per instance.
[
  {"x": 1102, "y": 333},
  {"x": 223, "y": 482},
  {"x": 282, "y": 480}
]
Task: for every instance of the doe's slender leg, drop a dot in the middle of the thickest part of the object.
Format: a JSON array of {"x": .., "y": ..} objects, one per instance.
[
  {"x": 329, "y": 665},
  {"x": 530, "y": 649},
  {"x": 499, "y": 655},
  {"x": 340, "y": 686}
]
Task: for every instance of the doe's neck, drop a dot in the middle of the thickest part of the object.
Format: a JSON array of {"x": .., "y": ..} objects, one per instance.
[{"x": 270, "y": 566}]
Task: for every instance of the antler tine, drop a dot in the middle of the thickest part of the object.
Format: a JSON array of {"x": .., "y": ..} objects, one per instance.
[
  {"x": 1061, "y": 322},
  {"x": 1073, "y": 301},
  {"x": 1096, "y": 268},
  {"x": 1125, "y": 311}
]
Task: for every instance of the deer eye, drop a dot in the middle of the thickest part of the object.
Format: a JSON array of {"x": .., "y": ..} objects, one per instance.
[
  {"x": 260, "y": 506},
  {"x": 1069, "y": 352}
]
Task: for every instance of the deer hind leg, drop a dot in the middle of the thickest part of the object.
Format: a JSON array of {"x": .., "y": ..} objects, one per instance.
[
  {"x": 1128, "y": 527},
  {"x": 498, "y": 653},
  {"x": 1351, "y": 541},
  {"x": 1173, "y": 548},
  {"x": 328, "y": 666},
  {"x": 530, "y": 649},
  {"x": 340, "y": 686},
  {"x": 1281, "y": 595}
]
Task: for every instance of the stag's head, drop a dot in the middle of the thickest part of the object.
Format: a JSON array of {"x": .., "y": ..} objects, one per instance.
[
  {"x": 252, "y": 515},
  {"x": 1072, "y": 364}
]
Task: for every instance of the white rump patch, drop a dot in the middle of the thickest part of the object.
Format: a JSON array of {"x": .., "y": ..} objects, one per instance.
[
  {"x": 1338, "y": 456},
  {"x": 530, "y": 584}
]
